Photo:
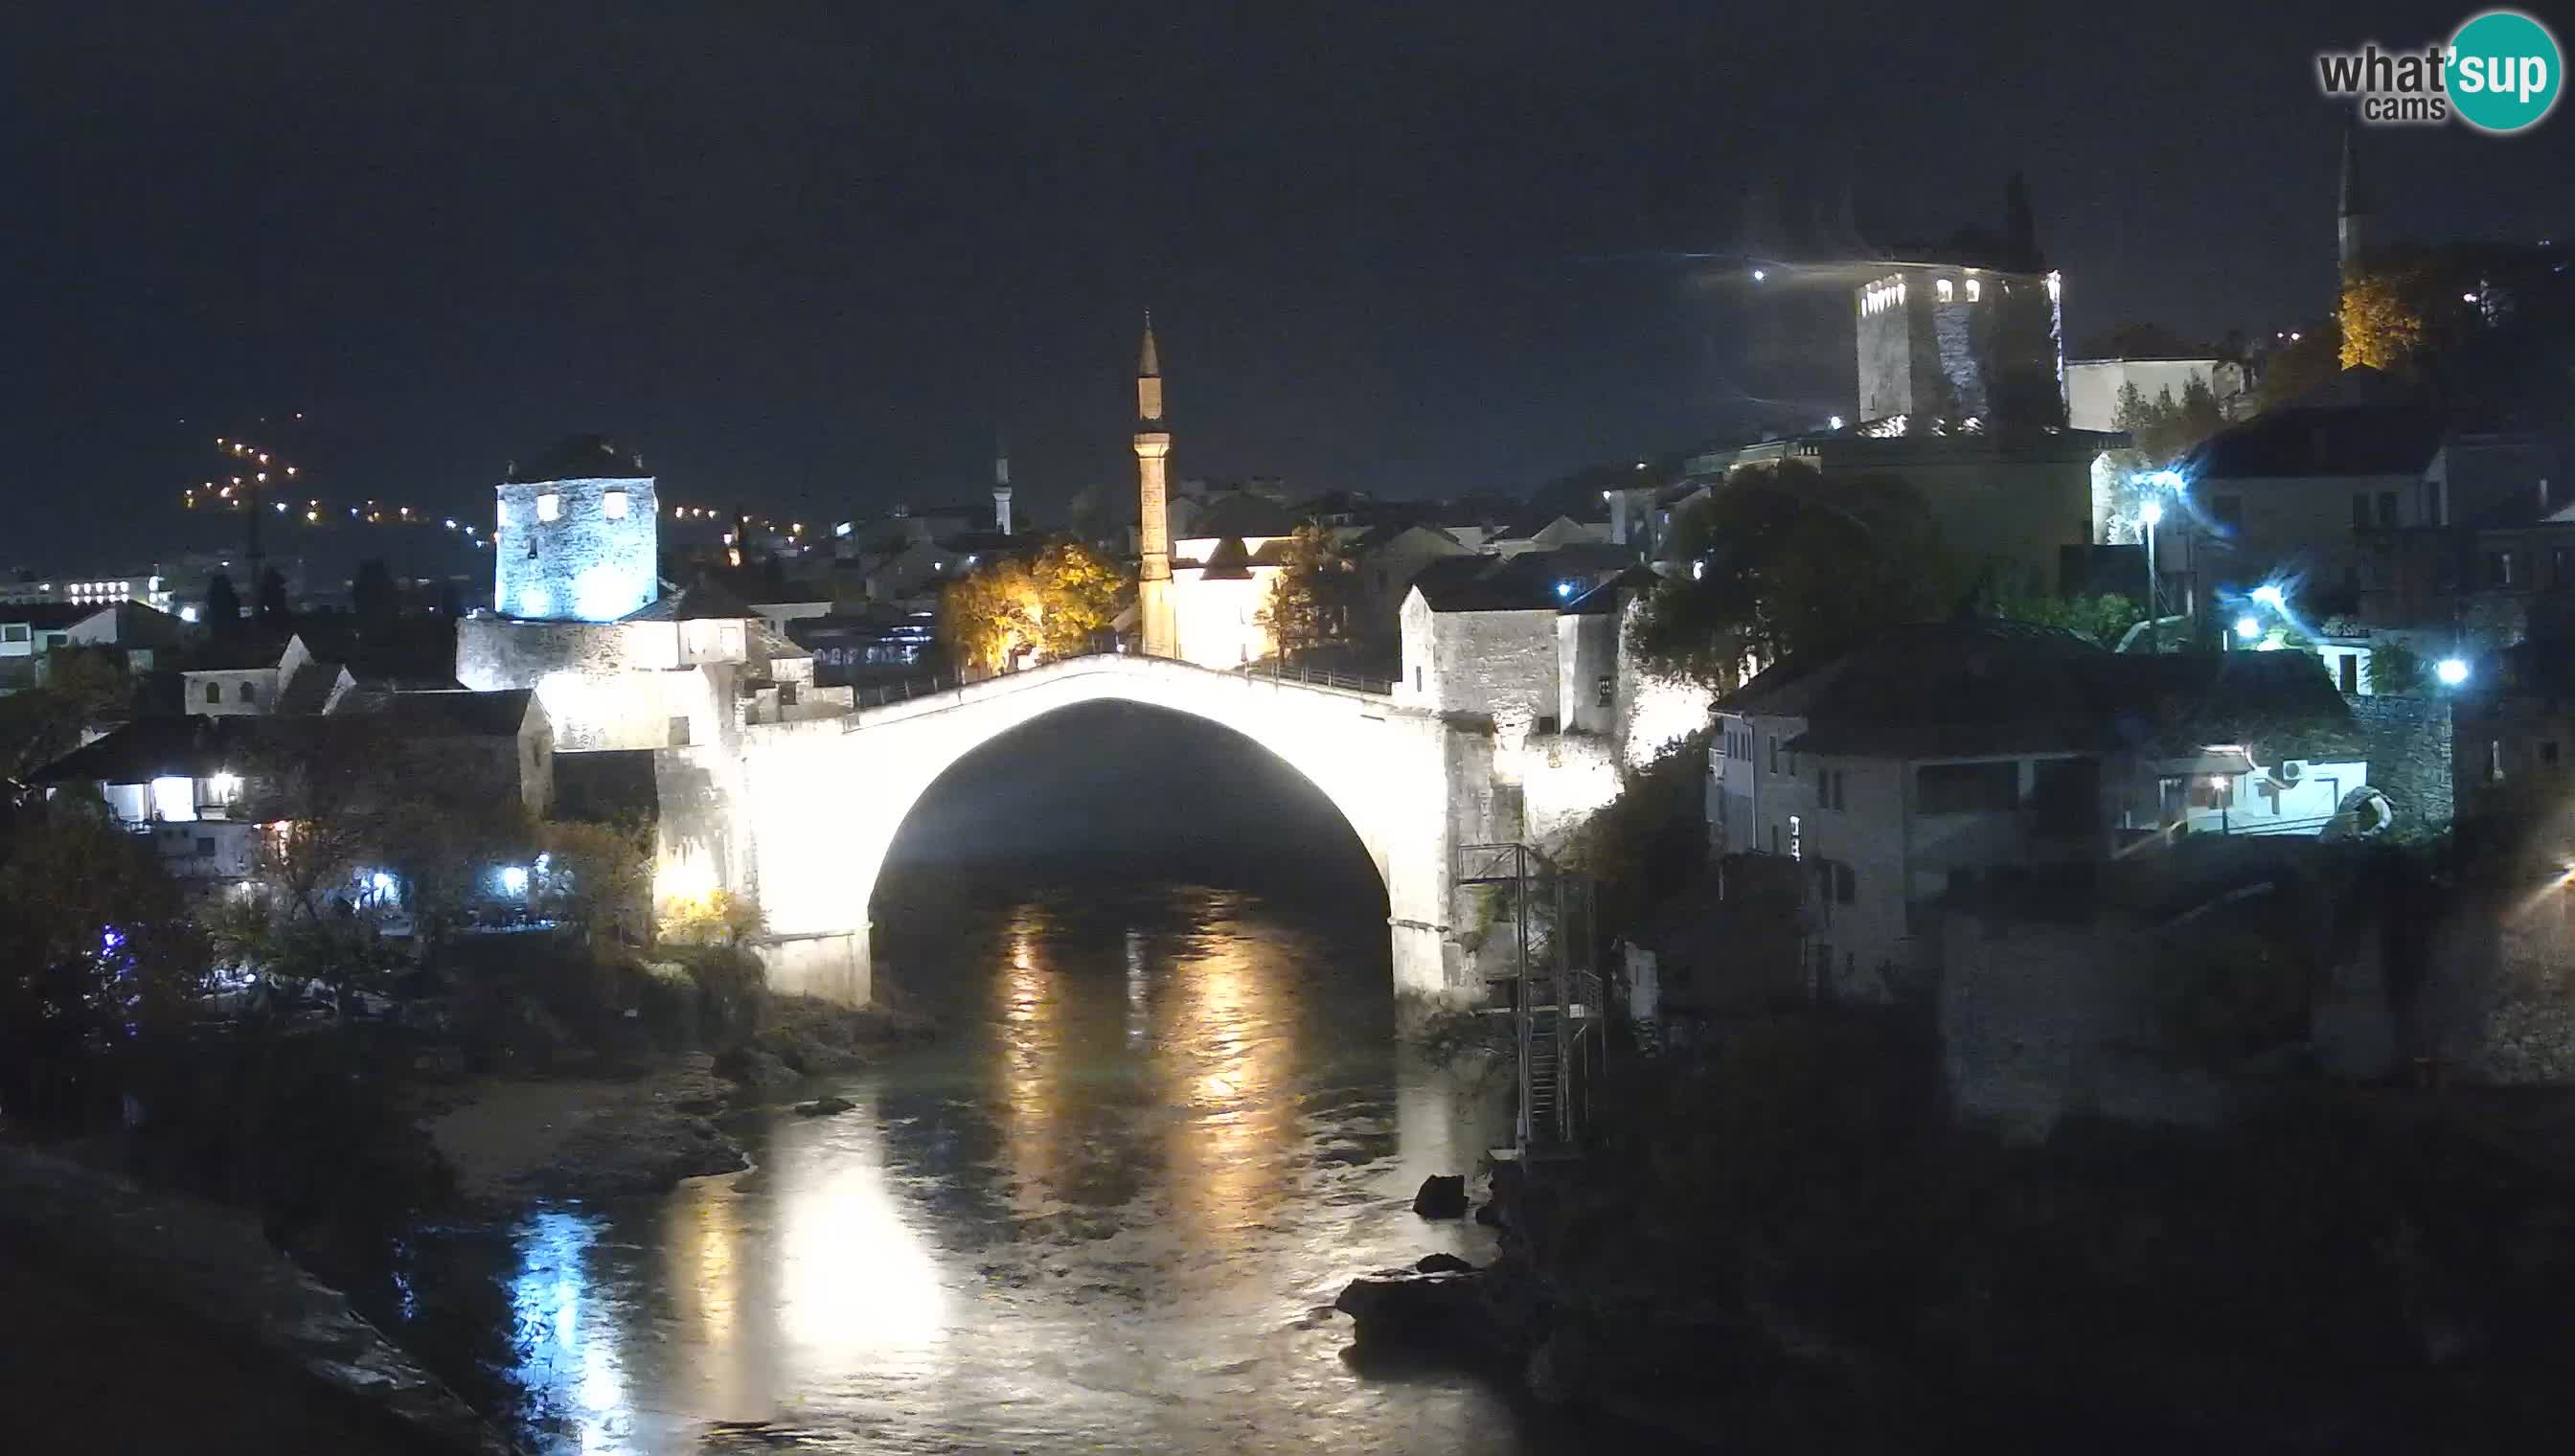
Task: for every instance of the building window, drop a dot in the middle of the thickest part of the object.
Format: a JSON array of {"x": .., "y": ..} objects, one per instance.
[
  {"x": 2498, "y": 569},
  {"x": 1797, "y": 837},
  {"x": 214, "y": 693},
  {"x": 1774, "y": 754},
  {"x": 1975, "y": 289},
  {"x": 14, "y": 632},
  {"x": 1948, "y": 290},
  {"x": 2348, "y": 667},
  {"x": 1951, "y": 788},
  {"x": 679, "y": 732},
  {"x": 2361, "y": 510},
  {"x": 249, "y": 693},
  {"x": 2548, "y": 753},
  {"x": 1606, "y": 689},
  {"x": 205, "y": 848},
  {"x": 1417, "y": 679},
  {"x": 2387, "y": 508},
  {"x": 1845, "y": 883},
  {"x": 613, "y": 505},
  {"x": 548, "y": 507},
  {"x": 2494, "y": 761}
]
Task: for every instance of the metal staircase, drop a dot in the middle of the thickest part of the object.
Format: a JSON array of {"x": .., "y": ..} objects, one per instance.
[{"x": 1552, "y": 991}]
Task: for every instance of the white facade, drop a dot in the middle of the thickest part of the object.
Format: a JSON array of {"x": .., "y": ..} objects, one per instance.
[
  {"x": 1218, "y": 617},
  {"x": 2092, "y": 386},
  {"x": 1884, "y": 839}
]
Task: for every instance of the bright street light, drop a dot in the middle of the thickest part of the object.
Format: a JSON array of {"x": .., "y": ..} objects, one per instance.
[
  {"x": 2152, "y": 513},
  {"x": 2247, "y": 628},
  {"x": 2451, "y": 671},
  {"x": 2270, "y": 597}
]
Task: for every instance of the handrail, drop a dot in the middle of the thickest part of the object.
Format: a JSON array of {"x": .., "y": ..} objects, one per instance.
[{"x": 1349, "y": 682}]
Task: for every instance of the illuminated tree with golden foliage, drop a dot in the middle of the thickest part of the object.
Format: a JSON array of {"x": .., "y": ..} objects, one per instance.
[
  {"x": 1056, "y": 604},
  {"x": 2381, "y": 326}
]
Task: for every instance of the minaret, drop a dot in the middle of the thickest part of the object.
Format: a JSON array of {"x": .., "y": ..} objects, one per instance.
[
  {"x": 2354, "y": 220},
  {"x": 1000, "y": 485},
  {"x": 1154, "y": 536}
]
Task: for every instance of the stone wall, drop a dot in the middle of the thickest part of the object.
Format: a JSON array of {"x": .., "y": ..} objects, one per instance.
[
  {"x": 2041, "y": 1022},
  {"x": 2407, "y": 741}
]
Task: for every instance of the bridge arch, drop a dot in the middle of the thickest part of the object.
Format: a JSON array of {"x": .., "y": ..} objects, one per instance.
[{"x": 810, "y": 810}]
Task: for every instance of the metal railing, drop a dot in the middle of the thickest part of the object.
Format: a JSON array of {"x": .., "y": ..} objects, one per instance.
[
  {"x": 884, "y": 694},
  {"x": 1276, "y": 671}
]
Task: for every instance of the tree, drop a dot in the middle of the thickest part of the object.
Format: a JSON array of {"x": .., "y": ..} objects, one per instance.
[
  {"x": 2301, "y": 365},
  {"x": 96, "y": 949},
  {"x": 82, "y": 688},
  {"x": 988, "y": 616},
  {"x": 2102, "y": 620},
  {"x": 1080, "y": 593},
  {"x": 1786, "y": 561},
  {"x": 717, "y": 918},
  {"x": 1054, "y": 606},
  {"x": 223, "y": 607},
  {"x": 1306, "y": 609},
  {"x": 2381, "y": 324},
  {"x": 273, "y": 613},
  {"x": 595, "y": 877},
  {"x": 2396, "y": 669}
]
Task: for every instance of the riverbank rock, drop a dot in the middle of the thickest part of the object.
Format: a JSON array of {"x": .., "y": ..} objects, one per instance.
[
  {"x": 647, "y": 1152},
  {"x": 1407, "y": 1307},
  {"x": 1443, "y": 1195},
  {"x": 755, "y": 1071},
  {"x": 1442, "y": 1264},
  {"x": 824, "y": 1108}
]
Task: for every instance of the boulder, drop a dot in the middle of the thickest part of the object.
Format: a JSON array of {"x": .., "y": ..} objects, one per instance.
[
  {"x": 824, "y": 1108},
  {"x": 1407, "y": 1307},
  {"x": 1490, "y": 1214},
  {"x": 1443, "y": 1263},
  {"x": 1443, "y": 1195},
  {"x": 753, "y": 1071}
]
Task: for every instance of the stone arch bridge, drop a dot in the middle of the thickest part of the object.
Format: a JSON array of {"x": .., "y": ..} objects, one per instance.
[{"x": 802, "y": 814}]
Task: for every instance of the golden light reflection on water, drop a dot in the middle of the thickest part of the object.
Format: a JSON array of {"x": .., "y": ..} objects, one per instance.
[{"x": 1223, "y": 1048}]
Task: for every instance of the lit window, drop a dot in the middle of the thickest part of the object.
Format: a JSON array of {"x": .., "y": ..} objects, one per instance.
[
  {"x": 548, "y": 507},
  {"x": 613, "y": 505},
  {"x": 1947, "y": 291},
  {"x": 1975, "y": 289},
  {"x": 174, "y": 799}
]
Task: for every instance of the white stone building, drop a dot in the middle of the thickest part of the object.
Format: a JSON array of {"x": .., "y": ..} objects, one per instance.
[{"x": 1941, "y": 756}]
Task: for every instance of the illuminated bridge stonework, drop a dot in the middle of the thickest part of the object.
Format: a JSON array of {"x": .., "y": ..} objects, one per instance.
[{"x": 802, "y": 814}]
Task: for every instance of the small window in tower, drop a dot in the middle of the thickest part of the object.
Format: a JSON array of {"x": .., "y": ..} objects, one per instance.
[
  {"x": 613, "y": 505},
  {"x": 1948, "y": 290},
  {"x": 1975, "y": 289},
  {"x": 548, "y": 507}
]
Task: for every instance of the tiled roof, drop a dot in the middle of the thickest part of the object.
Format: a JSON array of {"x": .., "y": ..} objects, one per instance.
[
  {"x": 1967, "y": 687},
  {"x": 456, "y": 714}
]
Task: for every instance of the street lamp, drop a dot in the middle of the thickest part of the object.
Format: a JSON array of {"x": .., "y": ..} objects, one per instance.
[
  {"x": 2247, "y": 628},
  {"x": 2451, "y": 671},
  {"x": 2269, "y": 596}
]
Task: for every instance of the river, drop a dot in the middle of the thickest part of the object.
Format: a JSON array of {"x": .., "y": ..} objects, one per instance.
[{"x": 1107, "y": 1210}]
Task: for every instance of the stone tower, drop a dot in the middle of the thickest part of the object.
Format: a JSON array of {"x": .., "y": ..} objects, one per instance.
[
  {"x": 2354, "y": 220},
  {"x": 1154, "y": 618},
  {"x": 578, "y": 536},
  {"x": 1002, "y": 486}
]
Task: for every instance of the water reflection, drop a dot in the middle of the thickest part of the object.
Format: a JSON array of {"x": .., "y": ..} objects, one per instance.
[{"x": 1099, "y": 1215}]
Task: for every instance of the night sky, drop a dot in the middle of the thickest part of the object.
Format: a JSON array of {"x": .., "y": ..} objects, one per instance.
[{"x": 811, "y": 257}]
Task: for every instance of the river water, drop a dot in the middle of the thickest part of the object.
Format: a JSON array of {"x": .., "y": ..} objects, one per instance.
[{"x": 1106, "y": 1211}]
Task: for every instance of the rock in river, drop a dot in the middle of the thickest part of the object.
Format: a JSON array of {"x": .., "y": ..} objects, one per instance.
[
  {"x": 1443, "y": 1195},
  {"x": 1407, "y": 1307},
  {"x": 824, "y": 1106}
]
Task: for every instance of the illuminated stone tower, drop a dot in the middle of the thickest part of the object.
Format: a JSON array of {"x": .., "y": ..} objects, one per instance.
[
  {"x": 578, "y": 536},
  {"x": 1002, "y": 486},
  {"x": 1154, "y": 536}
]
